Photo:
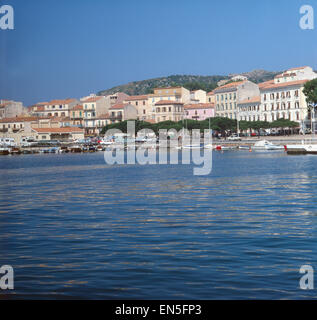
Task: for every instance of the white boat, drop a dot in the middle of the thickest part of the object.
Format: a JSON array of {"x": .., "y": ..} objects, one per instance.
[
  {"x": 106, "y": 142},
  {"x": 266, "y": 145},
  {"x": 244, "y": 147},
  {"x": 4, "y": 151},
  {"x": 224, "y": 148},
  {"x": 190, "y": 146},
  {"x": 301, "y": 149}
]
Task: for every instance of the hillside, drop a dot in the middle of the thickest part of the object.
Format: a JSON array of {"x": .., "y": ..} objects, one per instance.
[
  {"x": 258, "y": 76},
  {"x": 190, "y": 82}
]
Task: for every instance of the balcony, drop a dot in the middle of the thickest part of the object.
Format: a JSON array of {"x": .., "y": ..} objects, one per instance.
[{"x": 115, "y": 117}]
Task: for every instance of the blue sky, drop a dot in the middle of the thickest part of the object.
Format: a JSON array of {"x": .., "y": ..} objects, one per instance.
[{"x": 71, "y": 48}]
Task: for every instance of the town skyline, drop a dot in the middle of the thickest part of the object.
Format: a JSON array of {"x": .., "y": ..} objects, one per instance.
[{"x": 75, "y": 57}]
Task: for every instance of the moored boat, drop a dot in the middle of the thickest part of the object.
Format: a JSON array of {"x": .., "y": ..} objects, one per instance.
[
  {"x": 301, "y": 149},
  {"x": 266, "y": 145},
  {"x": 4, "y": 151}
]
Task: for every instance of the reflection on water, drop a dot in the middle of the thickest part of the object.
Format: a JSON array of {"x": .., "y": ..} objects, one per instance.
[{"x": 72, "y": 226}]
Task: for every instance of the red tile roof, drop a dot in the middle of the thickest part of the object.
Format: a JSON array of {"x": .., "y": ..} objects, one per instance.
[
  {"x": 59, "y": 130},
  {"x": 230, "y": 85},
  {"x": 38, "y": 108},
  {"x": 266, "y": 83},
  {"x": 282, "y": 85},
  {"x": 78, "y": 107},
  {"x": 256, "y": 99},
  {"x": 199, "y": 106},
  {"x": 167, "y": 102},
  {"x": 93, "y": 99},
  {"x": 134, "y": 98},
  {"x": 19, "y": 119},
  {"x": 299, "y": 68},
  {"x": 118, "y": 106},
  {"x": 59, "y": 102}
]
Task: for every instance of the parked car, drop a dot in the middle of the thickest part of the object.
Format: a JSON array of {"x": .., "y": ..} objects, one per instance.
[
  {"x": 234, "y": 137},
  {"x": 83, "y": 141}
]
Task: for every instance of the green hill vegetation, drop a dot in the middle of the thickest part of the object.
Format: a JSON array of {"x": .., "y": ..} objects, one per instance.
[{"x": 190, "y": 82}]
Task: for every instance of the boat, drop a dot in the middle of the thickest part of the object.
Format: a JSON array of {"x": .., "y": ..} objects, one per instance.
[
  {"x": 266, "y": 145},
  {"x": 301, "y": 149},
  {"x": 4, "y": 151},
  {"x": 224, "y": 148},
  {"x": 50, "y": 150},
  {"x": 245, "y": 147},
  {"x": 15, "y": 151},
  {"x": 192, "y": 146}
]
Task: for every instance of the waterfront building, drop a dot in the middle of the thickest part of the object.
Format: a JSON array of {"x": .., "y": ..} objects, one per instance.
[
  {"x": 54, "y": 108},
  {"x": 283, "y": 97},
  {"x": 229, "y": 95},
  {"x": 210, "y": 97},
  {"x": 77, "y": 115},
  {"x": 10, "y": 108},
  {"x": 169, "y": 110},
  {"x": 31, "y": 126},
  {"x": 11, "y": 126},
  {"x": 200, "y": 111},
  {"x": 121, "y": 112},
  {"x": 115, "y": 98},
  {"x": 102, "y": 121},
  {"x": 250, "y": 109},
  {"x": 143, "y": 106},
  {"x": 178, "y": 94},
  {"x": 198, "y": 96},
  {"x": 60, "y": 134},
  {"x": 93, "y": 107}
]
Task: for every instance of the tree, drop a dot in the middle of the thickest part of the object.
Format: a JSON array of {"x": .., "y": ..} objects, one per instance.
[{"x": 310, "y": 91}]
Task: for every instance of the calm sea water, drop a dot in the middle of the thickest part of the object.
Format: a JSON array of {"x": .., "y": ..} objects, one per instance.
[{"x": 73, "y": 227}]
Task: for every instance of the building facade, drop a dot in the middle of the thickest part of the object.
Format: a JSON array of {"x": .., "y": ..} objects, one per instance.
[
  {"x": 200, "y": 111},
  {"x": 143, "y": 106},
  {"x": 228, "y": 96},
  {"x": 169, "y": 110},
  {"x": 283, "y": 97},
  {"x": 10, "y": 109}
]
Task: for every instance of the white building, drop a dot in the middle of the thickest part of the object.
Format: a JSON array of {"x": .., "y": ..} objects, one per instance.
[
  {"x": 228, "y": 97},
  {"x": 283, "y": 97}
]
